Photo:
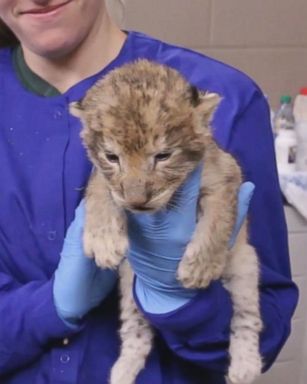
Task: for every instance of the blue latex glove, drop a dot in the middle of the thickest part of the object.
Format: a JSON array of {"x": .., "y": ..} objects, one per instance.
[
  {"x": 158, "y": 241},
  {"x": 79, "y": 285}
]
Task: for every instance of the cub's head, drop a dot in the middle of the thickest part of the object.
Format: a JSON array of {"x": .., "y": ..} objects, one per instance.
[{"x": 145, "y": 128}]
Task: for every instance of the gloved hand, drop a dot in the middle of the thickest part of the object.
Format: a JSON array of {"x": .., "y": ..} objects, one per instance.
[
  {"x": 79, "y": 285},
  {"x": 158, "y": 241}
]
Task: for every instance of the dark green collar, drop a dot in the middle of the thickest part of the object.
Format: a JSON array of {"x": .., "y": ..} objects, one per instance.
[{"x": 29, "y": 79}]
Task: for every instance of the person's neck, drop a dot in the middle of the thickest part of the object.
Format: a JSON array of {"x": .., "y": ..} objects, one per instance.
[{"x": 98, "y": 49}]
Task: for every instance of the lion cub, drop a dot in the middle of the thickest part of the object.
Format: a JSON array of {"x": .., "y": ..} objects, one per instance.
[{"x": 145, "y": 129}]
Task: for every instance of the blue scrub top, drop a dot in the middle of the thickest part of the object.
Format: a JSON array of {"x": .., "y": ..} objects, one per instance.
[{"x": 43, "y": 173}]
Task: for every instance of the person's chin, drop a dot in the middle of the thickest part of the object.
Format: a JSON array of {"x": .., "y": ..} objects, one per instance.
[{"x": 52, "y": 47}]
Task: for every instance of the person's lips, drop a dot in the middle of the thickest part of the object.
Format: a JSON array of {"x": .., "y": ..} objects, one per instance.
[{"x": 44, "y": 10}]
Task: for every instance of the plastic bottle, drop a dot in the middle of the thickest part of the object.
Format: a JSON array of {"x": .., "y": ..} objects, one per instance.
[
  {"x": 284, "y": 118},
  {"x": 286, "y": 141},
  {"x": 300, "y": 115}
]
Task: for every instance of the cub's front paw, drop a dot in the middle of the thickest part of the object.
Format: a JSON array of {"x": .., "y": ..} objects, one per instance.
[
  {"x": 107, "y": 250},
  {"x": 194, "y": 269}
]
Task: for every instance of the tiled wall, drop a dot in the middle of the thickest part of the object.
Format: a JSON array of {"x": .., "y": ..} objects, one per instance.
[{"x": 267, "y": 39}]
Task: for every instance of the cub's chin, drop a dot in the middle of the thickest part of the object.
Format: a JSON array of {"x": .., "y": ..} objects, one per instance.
[
  {"x": 157, "y": 203},
  {"x": 144, "y": 208},
  {"x": 134, "y": 208},
  {"x": 141, "y": 209}
]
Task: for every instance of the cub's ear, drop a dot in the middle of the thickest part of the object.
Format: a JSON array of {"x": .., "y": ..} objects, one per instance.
[
  {"x": 204, "y": 103},
  {"x": 208, "y": 104},
  {"x": 76, "y": 109}
]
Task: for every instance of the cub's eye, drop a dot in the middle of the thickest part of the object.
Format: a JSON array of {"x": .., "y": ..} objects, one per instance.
[
  {"x": 162, "y": 156},
  {"x": 112, "y": 158}
]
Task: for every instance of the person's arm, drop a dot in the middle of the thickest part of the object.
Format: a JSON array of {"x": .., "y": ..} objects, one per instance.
[
  {"x": 28, "y": 321},
  {"x": 36, "y": 313},
  {"x": 199, "y": 330}
]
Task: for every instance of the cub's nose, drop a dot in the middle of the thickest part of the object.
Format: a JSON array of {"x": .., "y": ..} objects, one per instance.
[{"x": 136, "y": 195}]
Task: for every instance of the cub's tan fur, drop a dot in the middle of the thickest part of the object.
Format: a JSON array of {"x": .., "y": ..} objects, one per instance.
[{"x": 145, "y": 130}]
